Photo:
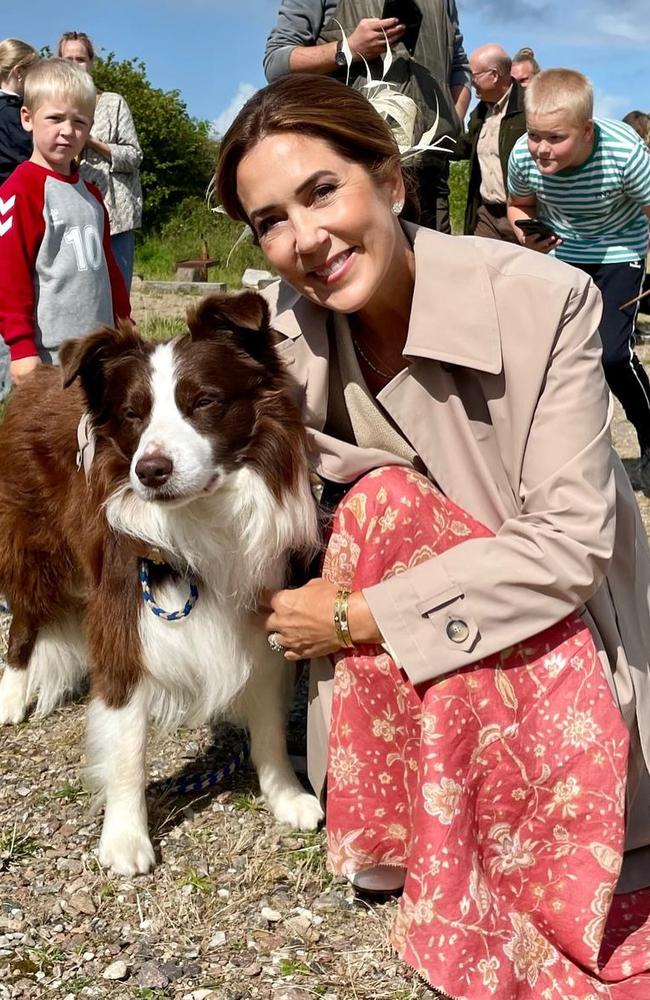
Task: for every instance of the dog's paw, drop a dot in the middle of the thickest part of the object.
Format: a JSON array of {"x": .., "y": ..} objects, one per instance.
[
  {"x": 13, "y": 697},
  {"x": 299, "y": 809},
  {"x": 127, "y": 852}
]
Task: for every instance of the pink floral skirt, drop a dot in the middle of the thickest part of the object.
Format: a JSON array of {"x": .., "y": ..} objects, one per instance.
[{"x": 500, "y": 787}]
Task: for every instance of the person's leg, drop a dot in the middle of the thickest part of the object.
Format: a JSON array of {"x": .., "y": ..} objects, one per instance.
[
  {"x": 494, "y": 226},
  {"x": 123, "y": 247},
  {"x": 624, "y": 372},
  {"x": 431, "y": 174}
]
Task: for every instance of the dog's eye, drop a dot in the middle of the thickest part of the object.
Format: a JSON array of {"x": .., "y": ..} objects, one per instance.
[
  {"x": 202, "y": 402},
  {"x": 129, "y": 413}
]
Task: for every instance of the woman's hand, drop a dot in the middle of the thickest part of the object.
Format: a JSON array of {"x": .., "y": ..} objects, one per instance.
[
  {"x": 19, "y": 370},
  {"x": 303, "y": 619},
  {"x": 101, "y": 148}
]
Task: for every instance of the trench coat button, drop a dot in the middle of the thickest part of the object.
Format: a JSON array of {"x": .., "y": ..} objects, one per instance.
[{"x": 457, "y": 630}]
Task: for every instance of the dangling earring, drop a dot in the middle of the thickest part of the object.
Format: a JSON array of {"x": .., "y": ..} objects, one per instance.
[{"x": 397, "y": 207}]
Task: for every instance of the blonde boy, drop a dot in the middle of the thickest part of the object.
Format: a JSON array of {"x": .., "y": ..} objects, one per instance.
[
  {"x": 58, "y": 277},
  {"x": 589, "y": 181}
]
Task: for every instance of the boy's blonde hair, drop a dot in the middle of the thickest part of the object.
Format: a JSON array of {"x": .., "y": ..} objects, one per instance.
[
  {"x": 561, "y": 91},
  {"x": 15, "y": 54},
  {"x": 50, "y": 77}
]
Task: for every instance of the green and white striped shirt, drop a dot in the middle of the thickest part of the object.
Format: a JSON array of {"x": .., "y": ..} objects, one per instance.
[{"x": 596, "y": 208}]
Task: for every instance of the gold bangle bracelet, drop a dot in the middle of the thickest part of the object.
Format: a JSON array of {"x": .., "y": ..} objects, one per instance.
[{"x": 341, "y": 624}]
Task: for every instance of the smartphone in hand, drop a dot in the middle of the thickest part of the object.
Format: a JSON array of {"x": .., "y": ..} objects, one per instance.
[
  {"x": 409, "y": 14},
  {"x": 535, "y": 227}
]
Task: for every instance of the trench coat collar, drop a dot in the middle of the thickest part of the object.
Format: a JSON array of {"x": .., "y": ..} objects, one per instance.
[{"x": 453, "y": 314}]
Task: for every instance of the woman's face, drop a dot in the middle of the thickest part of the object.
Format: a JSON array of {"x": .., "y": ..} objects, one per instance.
[
  {"x": 324, "y": 223},
  {"x": 75, "y": 51}
]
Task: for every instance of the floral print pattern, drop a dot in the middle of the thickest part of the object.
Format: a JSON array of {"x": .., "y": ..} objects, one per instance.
[{"x": 499, "y": 788}]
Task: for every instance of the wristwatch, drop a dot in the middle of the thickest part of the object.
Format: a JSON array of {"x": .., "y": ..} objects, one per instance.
[{"x": 339, "y": 56}]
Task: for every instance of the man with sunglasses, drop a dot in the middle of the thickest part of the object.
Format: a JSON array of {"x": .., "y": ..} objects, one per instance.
[{"x": 494, "y": 126}]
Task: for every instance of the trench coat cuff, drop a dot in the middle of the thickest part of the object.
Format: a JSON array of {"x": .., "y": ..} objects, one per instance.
[{"x": 426, "y": 621}]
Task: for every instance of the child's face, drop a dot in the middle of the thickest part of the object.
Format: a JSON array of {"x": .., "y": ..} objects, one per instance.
[
  {"x": 60, "y": 129},
  {"x": 555, "y": 144}
]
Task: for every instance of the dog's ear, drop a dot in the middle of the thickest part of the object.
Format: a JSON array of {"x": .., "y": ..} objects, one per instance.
[
  {"x": 86, "y": 357},
  {"x": 243, "y": 317}
]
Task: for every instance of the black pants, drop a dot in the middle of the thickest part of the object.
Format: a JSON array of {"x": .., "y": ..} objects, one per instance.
[
  {"x": 625, "y": 374},
  {"x": 430, "y": 172}
]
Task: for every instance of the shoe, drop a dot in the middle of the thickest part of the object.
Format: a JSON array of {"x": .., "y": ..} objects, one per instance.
[
  {"x": 380, "y": 879},
  {"x": 643, "y": 470}
]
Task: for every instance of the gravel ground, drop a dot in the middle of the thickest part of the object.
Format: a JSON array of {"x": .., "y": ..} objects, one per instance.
[{"x": 238, "y": 907}]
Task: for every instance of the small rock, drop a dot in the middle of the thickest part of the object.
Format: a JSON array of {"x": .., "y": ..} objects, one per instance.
[
  {"x": 331, "y": 901},
  {"x": 292, "y": 993},
  {"x": 71, "y": 865},
  {"x": 116, "y": 970},
  {"x": 251, "y": 970},
  {"x": 82, "y": 903},
  {"x": 151, "y": 976},
  {"x": 217, "y": 940},
  {"x": 171, "y": 970},
  {"x": 271, "y": 915},
  {"x": 202, "y": 994},
  {"x": 254, "y": 278}
]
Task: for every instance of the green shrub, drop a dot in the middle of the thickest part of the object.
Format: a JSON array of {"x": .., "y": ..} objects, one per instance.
[
  {"x": 178, "y": 155},
  {"x": 458, "y": 181},
  {"x": 182, "y": 238}
]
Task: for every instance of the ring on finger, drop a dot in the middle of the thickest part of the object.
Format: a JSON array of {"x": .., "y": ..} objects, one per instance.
[{"x": 274, "y": 643}]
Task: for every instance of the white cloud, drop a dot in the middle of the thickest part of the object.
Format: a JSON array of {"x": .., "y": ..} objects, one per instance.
[{"x": 219, "y": 125}]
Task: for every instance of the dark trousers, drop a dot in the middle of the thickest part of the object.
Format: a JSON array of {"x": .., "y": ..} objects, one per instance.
[
  {"x": 492, "y": 222},
  {"x": 431, "y": 175},
  {"x": 625, "y": 374}
]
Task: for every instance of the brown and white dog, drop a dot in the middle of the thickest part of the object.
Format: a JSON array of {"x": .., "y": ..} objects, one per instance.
[{"x": 199, "y": 454}]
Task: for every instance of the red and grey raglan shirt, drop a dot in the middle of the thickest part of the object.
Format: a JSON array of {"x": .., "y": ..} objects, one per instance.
[{"x": 58, "y": 276}]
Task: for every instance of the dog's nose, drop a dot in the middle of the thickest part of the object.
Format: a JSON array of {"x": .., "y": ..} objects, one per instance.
[{"x": 154, "y": 470}]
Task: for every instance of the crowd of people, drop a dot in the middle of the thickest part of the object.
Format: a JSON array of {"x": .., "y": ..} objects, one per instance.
[{"x": 479, "y": 629}]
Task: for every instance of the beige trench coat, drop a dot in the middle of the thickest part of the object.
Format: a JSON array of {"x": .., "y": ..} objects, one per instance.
[{"x": 505, "y": 402}]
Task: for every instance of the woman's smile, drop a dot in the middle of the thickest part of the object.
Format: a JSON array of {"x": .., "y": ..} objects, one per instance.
[{"x": 336, "y": 267}]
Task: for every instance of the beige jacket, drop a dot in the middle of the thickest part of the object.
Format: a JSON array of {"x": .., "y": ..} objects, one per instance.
[
  {"x": 117, "y": 179},
  {"x": 504, "y": 401}
]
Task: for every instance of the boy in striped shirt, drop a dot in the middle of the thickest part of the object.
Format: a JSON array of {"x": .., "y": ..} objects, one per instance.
[{"x": 589, "y": 181}]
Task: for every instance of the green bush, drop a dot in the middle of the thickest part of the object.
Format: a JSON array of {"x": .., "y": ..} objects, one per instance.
[
  {"x": 178, "y": 156},
  {"x": 458, "y": 181},
  {"x": 182, "y": 238}
]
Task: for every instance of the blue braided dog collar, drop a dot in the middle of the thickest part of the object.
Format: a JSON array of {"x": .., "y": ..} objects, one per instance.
[{"x": 170, "y": 616}]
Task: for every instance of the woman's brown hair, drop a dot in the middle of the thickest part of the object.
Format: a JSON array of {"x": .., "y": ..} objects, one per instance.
[{"x": 316, "y": 106}]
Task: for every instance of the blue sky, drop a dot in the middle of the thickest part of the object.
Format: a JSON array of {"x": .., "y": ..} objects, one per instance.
[{"x": 211, "y": 50}]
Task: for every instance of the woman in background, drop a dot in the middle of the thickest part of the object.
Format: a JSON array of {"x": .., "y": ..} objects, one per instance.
[{"x": 112, "y": 157}]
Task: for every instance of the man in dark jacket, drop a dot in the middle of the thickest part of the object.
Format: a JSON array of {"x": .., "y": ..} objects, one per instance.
[
  {"x": 429, "y": 65},
  {"x": 494, "y": 126}
]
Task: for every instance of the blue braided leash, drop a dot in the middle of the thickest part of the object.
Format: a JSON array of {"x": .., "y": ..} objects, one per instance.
[
  {"x": 169, "y": 616},
  {"x": 205, "y": 779}
]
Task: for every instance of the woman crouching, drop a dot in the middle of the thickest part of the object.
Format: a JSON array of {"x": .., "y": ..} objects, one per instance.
[{"x": 483, "y": 601}]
